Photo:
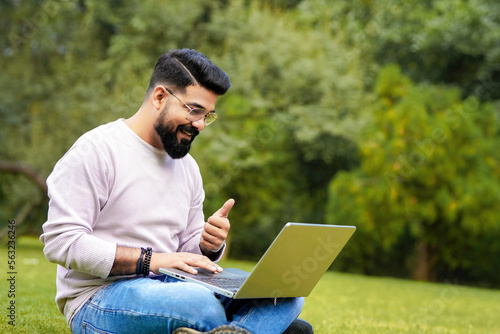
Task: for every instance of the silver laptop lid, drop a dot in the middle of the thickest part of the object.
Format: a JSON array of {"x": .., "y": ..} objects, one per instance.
[{"x": 296, "y": 260}]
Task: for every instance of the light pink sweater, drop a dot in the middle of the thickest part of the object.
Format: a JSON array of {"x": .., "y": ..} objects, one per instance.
[{"x": 112, "y": 188}]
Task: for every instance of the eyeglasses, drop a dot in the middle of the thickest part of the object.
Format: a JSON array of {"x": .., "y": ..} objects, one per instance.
[{"x": 195, "y": 114}]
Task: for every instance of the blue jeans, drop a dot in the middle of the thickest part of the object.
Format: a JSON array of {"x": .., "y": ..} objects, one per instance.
[{"x": 161, "y": 304}]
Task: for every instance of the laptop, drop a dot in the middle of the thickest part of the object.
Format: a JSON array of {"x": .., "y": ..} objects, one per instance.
[{"x": 291, "y": 267}]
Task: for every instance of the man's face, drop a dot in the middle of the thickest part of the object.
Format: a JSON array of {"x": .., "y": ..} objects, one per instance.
[
  {"x": 168, "y": 132},
  {"x": 176, "y": 133}
]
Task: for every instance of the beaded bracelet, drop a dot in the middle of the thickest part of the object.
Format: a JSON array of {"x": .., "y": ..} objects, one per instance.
[
  {"x": 139, "y": 268},
  {"x": 147, "y": 261}
]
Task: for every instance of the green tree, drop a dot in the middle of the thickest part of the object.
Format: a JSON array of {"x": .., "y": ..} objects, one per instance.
[
  {"x": 441, "y": 41},
  {"x": 429, "y": 175},
  {"x": 294, "y": 94}
]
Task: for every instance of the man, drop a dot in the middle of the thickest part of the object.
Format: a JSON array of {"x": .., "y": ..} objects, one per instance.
[{"x": 127, "y": 199}]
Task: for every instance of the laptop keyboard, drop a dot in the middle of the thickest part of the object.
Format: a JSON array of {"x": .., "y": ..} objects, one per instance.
[{"x": 232, "y": 283}]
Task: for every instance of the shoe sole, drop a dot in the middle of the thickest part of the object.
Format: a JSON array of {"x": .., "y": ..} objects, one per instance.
[{"x": 225, "y": 329}]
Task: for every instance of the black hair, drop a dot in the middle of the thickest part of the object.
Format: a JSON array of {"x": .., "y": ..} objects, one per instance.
[{"x": 181, "y": 68}]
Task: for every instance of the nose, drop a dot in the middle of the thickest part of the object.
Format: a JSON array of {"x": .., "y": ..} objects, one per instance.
[{"x": 199, "y": 124}]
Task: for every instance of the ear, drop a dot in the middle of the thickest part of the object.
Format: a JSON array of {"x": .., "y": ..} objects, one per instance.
[{"x": 158, "y": 96}]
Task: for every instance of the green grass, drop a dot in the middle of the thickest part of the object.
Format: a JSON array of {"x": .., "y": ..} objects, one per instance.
[{"x": 341, "y": 303}]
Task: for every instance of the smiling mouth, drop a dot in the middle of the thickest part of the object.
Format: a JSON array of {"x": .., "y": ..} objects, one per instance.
[{"x": 187, "y": 132}]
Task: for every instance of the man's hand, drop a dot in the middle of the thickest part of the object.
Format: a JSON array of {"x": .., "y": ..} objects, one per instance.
[
  {"x": 216, "y": 229},
  {"x": 182, "y": 261},
  {"x": 126, "y": 262}
]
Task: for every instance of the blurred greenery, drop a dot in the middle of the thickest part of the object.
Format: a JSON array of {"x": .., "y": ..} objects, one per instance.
[
  {"x": 379, "y": 114},
  {"x": 429, "y": 162}
]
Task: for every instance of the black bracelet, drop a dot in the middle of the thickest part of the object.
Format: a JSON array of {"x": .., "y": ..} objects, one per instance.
[
  {"x": 139, "y": 268},
  {"x": 147, "y": 261}
]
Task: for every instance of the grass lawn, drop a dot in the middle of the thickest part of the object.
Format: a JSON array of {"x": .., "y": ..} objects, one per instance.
[{"x": 341, "y": 303}]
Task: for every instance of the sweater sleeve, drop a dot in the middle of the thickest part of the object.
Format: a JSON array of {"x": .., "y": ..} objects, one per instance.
[{"x": 78, "y": 189}]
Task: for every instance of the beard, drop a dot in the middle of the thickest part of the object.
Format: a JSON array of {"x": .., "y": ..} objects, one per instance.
[{"x": 168, "y": 136}]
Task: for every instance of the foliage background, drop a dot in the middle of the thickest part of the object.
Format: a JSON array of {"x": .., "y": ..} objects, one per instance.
[{"x": 379, "y": 114}]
